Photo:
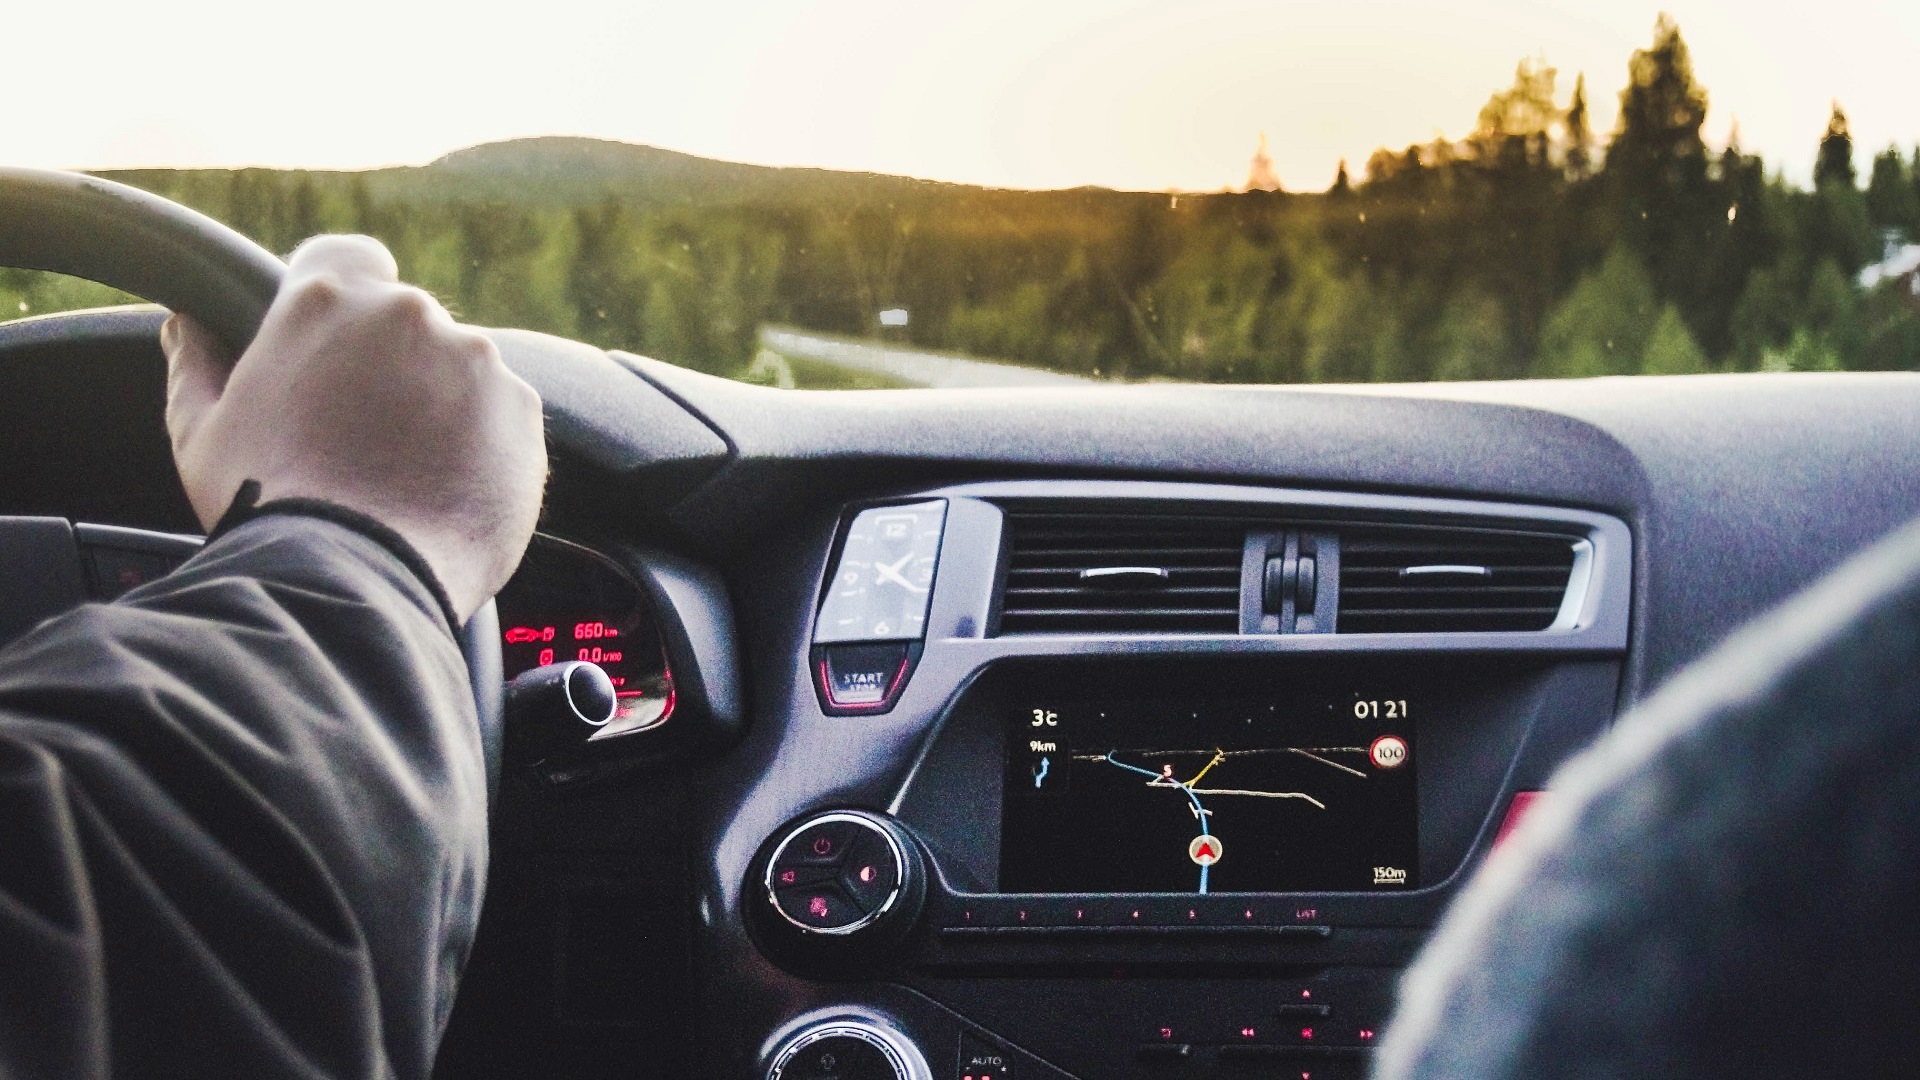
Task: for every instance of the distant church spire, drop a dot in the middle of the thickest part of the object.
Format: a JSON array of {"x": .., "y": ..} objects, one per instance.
[{"x": 1262, "y": 177}]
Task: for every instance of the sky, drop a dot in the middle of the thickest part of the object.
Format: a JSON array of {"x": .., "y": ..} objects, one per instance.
[{"x": 1015, "y": 93}]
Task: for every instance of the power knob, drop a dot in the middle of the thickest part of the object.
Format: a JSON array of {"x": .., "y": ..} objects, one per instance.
[{"x": 837, "y": 886}]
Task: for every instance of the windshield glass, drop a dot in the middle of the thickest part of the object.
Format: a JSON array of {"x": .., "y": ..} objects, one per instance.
[{"x": 1209, "y": 192}]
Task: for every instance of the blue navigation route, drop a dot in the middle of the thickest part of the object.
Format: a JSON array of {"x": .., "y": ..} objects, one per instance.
[
  {"x": 1206, "y": 848},
  {"x": 1164, "y": 779}
]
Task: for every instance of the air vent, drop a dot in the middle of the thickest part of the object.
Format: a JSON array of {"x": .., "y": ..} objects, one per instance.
[
  {"x": 1413, "y": 580},
  {"x": 1070, "y": 573}
]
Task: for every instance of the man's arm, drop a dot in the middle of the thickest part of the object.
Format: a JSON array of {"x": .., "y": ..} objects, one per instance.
[
  {"x": 244, "y": 820},
  {"x": 242, "y": 809}
]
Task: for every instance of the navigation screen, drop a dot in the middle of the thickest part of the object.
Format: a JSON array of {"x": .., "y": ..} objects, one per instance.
[{"x": 1301, "y": 792}]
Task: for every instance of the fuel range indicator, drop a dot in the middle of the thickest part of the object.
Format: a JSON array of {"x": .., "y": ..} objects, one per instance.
[{"x": 1041, "y": 761}]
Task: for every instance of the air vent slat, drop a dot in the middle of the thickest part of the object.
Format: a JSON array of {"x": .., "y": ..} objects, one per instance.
[
  {"x": 1124, "y": 612},
  {"x": 1073, "y": 572},
  {"x": 1106, "y": 552},
  {"x": 1080, "y": 593},
  {"x": 1522, "y": 589},
  {"x": 1445, "y": 593},
  {"x": 1045, "y": 592}
]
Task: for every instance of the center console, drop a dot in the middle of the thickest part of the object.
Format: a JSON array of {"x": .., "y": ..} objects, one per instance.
[{"x": 1143, "y": 780}]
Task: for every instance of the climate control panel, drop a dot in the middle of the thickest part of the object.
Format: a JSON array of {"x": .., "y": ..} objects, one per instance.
[{"x": 834, "y": 887}]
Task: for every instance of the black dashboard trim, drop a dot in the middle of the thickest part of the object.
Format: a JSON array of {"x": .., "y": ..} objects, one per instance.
[{"x": 695, "y": 615}]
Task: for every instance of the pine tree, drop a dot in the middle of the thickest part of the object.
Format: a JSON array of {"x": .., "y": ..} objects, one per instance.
[
  {"x": 250, "y": 204},
  {"x": 604, "y": 283},
  {"x": 1656, "y": 175},
  {"x": 1745, "y": 243},
  {"x": 1603, "y": 325},
  {"x": 1471, "y": 339},
  {"x": 1341, "y": 185},
  {"x": 304, "y": 209},
  {"x": 1763, "y": 318},
  {"x": 1579, "y": 149},
  {"x": 1838, "y": 228},
  {"x": 366, "y": 215},
  {"x": 1512, "y": 130},
  {"x": 1670, "y": 348},
  {"x": 1657, "y": 149},
  {"x": 1893, "y": 200},
  {"x": 1913, "y": 176},
  {"x": 1835, "y": 163}
]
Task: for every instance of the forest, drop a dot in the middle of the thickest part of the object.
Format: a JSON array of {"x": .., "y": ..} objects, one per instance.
[{"x": 1532, "y": 247}]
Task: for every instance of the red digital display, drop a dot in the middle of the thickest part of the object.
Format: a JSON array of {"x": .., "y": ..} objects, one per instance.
[
  {"x": 639, "y": 672},
  {"x": 569, "y": 602},
  {"x": 521, "y": 635}
]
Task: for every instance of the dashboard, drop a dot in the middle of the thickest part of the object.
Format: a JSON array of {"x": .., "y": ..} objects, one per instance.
[
  {"x": 1183, "y": 769},
  {"x": 1116, "y": 732}
]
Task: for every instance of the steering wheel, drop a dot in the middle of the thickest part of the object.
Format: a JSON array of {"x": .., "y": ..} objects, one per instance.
[{"x": 154, "y": 248}]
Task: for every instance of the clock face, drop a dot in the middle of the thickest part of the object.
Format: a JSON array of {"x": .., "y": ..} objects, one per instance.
[{"x": 884, "y": 576}]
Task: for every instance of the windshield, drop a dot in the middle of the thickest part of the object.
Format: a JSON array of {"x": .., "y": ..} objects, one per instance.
[{"x": 1210, "y": 192}]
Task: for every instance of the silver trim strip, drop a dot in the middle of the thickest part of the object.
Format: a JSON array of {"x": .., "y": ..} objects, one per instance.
[
  {"x": 1579, "y": 584},
  {"x": 566, "y": 687},
  {"x": 1445, "y": 568},
  {"x": 1093, "y": 572}
]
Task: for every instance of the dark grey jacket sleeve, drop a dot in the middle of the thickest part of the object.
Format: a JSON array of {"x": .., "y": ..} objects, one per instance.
[{"x": 242, "y": 820}]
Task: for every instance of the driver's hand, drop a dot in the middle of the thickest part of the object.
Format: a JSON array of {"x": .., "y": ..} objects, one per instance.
[{"x": 364, "y": 392}]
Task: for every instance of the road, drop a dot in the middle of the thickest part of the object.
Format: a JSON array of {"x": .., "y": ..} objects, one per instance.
[{"x": 896, "y": 365}]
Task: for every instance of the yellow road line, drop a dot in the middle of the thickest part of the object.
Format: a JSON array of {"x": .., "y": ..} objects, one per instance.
[{"x": 1218, "y": 757}]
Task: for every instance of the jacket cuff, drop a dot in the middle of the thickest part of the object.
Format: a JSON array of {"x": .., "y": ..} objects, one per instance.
[{"x": 246, "y": 506}]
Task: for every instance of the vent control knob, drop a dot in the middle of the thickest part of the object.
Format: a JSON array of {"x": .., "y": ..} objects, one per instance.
[
  {"x": 1295, "y": 579},
  {"x": 850, "y": 1049}
]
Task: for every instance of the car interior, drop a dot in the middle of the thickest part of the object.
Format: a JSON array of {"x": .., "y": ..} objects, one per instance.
[{"x": 975, "y": 734}]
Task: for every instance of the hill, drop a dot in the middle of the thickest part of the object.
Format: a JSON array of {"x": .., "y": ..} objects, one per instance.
[{"x": 566, "y": 170}]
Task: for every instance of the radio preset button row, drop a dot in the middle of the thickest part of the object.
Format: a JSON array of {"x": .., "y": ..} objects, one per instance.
[
  {"x": 1028, "y": 924},
  {"x": 1155, "y": 913}
]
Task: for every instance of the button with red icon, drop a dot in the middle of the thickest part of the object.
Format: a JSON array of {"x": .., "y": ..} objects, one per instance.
[
  {"x": 822, "y": 907},
  {"x": 870, "y": 873},
  {"x": 821, "y": 844},
  {"x": 801, "y": 875}
]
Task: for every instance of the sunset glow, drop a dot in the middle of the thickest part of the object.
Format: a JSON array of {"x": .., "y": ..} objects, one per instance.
[{"x": 1061, "y": 93}]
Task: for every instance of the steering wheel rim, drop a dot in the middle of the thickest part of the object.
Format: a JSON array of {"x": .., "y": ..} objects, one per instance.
[
  {"x": 156, "y": 249},
  {"x": 139, "y": 243}
]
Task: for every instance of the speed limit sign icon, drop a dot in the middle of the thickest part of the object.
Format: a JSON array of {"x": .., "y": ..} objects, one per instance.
[{"x": 1388, "y": 752}]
